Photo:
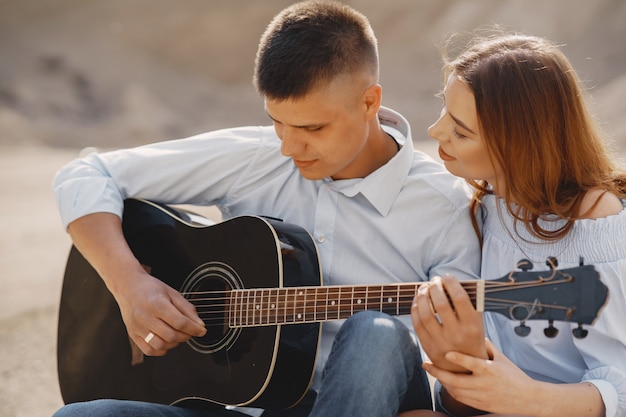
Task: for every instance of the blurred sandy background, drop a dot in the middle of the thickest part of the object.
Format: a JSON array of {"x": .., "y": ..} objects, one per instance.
[{"x": 116, "y": 73}]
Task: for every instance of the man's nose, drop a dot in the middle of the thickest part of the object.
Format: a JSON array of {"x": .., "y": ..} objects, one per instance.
[{"x": 292, "y": 143}]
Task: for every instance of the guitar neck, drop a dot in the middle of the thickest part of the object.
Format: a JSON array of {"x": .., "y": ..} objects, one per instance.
[{"x": 292, "y": 305}]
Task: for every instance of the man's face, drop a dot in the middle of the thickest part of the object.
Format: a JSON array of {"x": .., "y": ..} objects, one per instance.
[{"x": 326, "y": 131}]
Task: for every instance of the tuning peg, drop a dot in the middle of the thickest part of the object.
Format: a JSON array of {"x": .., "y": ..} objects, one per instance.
[
  {"x": 552, "y": 262},
  {"x": 525, "y": 264},
  {"x": 579, "y": 332},
  {"x": 522, "y": 330},
  {"x": 551, "y": 331}
]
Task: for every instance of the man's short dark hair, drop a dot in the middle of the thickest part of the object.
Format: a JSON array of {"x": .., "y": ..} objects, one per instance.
[{"x": 311, "y": 43}]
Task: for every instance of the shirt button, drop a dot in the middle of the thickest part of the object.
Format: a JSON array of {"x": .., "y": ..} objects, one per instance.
[{"x": 321, "y": 238}]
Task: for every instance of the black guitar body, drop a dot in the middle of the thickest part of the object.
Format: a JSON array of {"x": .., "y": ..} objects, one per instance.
[
  {"x": 265, "y": 366},
  {"x": 257, "y": 285}
]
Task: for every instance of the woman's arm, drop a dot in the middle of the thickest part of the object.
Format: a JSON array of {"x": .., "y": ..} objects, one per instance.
[
  {"x": 476, "y": 375},
  {"x": 499, "y": 386}
]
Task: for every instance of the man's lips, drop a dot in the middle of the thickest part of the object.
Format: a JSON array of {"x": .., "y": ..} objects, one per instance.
[
  {"x": 445, "y": 156},
  {"x": 303, "y": 163}
]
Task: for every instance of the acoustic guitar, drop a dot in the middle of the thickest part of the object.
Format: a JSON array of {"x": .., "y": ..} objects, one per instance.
[{"x": 257, "y": 285}]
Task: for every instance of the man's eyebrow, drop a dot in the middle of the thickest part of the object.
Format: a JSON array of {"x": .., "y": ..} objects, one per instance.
[
  {"x": 270, "y": 116},
  {"x": 311, "y": 126}
]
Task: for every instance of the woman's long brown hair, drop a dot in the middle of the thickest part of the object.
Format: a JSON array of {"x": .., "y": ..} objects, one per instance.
[{"x": 534, "y": 120}]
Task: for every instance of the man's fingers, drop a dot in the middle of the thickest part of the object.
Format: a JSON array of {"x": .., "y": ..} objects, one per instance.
[{"x": 183, "y": 317}]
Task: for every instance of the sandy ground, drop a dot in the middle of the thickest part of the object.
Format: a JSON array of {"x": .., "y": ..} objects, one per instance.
[{"x": 33, "y": 248}]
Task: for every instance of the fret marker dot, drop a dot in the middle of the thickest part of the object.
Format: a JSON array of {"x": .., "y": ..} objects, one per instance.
[
  {"x": 299, "y": 316},
  {"x": 358, "y": 301},
  {"x": 300, "y": 293},
  {"x": 332, "y": 303},
  {"x": 273, "y": 305},
  {"x": 389, "y": 300},
  {"x": 258, "y": 307}
]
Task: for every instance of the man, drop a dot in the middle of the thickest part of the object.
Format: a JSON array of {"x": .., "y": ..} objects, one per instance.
[{"x": 334, "y": 163}]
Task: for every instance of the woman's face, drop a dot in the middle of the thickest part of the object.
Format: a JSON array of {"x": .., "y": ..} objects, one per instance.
[{"x": 461, "y": 146}]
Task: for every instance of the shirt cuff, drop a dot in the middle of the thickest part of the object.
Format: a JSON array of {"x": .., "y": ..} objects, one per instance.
[{"x": 609, "y": 396}]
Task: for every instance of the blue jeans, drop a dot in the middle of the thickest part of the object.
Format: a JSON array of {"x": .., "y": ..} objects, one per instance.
[{"x": 374, "y": 369}]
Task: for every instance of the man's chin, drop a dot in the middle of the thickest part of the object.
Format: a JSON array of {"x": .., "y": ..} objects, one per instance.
[{"x": 311, "y": 175}]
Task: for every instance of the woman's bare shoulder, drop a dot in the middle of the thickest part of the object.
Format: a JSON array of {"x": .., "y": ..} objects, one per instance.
[{"x": 608, "y": 204}]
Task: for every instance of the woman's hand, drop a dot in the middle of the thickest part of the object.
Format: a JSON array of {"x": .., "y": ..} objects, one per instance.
[{"x": 496, "y": 385}]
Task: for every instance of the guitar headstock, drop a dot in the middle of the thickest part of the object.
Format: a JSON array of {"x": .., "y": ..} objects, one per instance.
[{"x": 574, "y": 294}]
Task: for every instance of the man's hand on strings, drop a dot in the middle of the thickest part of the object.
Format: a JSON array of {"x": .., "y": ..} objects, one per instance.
[{"x": 157, "y": 317}]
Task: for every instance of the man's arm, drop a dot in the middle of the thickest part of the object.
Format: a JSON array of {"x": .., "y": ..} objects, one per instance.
[{"x": 147, "y": 304}]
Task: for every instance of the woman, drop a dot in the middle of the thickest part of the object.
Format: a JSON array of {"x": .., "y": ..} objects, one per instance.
[{"x": 515, "y": 125}]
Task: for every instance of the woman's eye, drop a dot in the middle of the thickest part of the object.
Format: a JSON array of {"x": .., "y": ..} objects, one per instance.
[{"x": 457, "y": 134}]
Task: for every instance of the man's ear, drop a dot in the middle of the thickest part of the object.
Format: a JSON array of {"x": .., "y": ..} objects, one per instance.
[{"x": 372, "y": 98}]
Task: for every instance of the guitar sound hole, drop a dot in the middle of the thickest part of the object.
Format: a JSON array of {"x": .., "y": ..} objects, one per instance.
[{"x": 208, "y": 289}]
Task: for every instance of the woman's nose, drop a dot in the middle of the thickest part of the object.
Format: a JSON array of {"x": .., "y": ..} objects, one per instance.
[{"x": 435, "y": 130}]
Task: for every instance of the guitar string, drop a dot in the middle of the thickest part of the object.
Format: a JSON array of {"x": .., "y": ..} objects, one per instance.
[
  {"x": 388, "y": 288},
  {"x": 280, "y": 317},
  {"x": 272, "y": 318},
  {"x": 280, "y": 307},
  {"x": 368, "y": 292},
  {"x": 325, "y": 296}
]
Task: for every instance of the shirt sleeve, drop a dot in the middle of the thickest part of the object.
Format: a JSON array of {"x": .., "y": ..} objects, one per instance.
[
  {"x": 457, "y": 252},
  {"x": 198, "y": 170},
  {"x": 606, "y": 355},
  {"x": 610, "y": 396}
]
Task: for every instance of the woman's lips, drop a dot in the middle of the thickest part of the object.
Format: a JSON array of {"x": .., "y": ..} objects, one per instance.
[{"x": 445, "y": 156}]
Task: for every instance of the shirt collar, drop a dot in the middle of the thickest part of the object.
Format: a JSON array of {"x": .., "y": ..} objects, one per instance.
[{"x": 381, "y": 187}]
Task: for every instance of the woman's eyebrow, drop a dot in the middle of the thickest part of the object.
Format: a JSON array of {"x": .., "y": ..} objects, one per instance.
[
  {"x": 457, "y": 121},
  {"x": 460, "y": 123}
]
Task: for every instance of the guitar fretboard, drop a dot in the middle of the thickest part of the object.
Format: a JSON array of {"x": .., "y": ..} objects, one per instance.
[{"x": 273, "y": 306}]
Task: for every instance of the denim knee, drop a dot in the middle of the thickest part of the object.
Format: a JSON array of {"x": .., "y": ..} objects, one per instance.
[
  {"x": 377, "y": 342},
  {"x": 380, "y": 332},
  {"x": 125, "y": 408},
  {"x": 373, "y": 366}
]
